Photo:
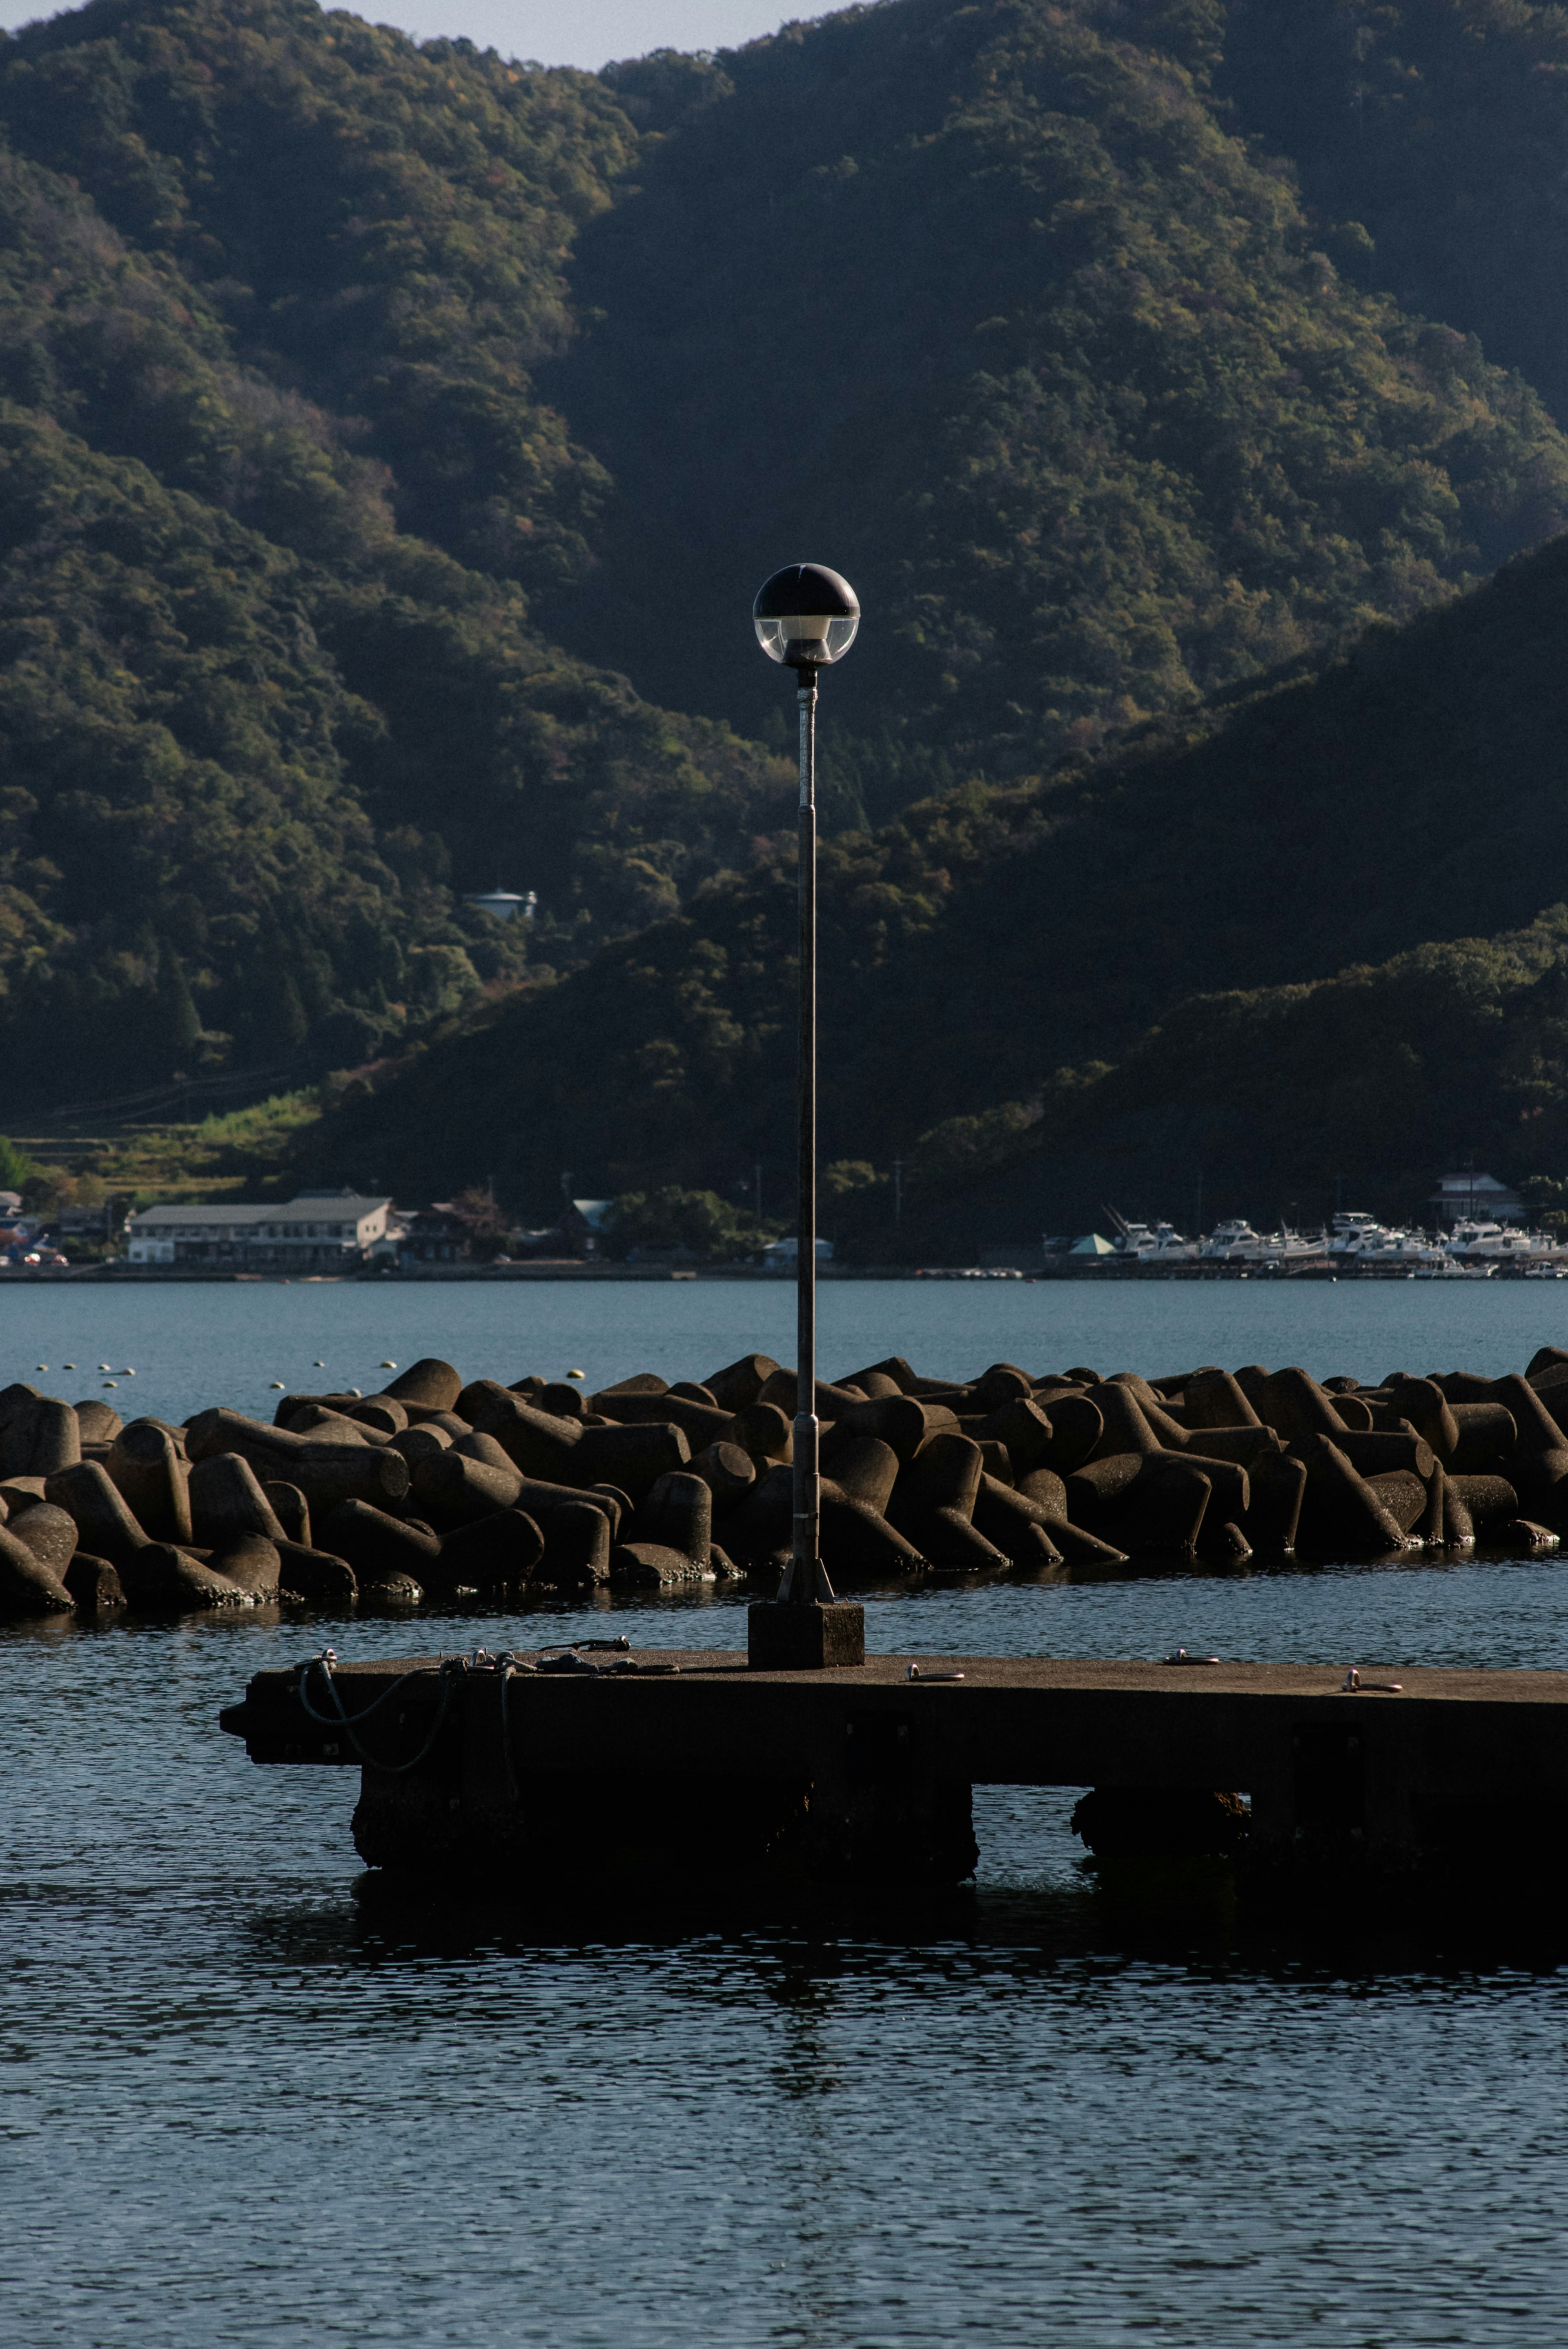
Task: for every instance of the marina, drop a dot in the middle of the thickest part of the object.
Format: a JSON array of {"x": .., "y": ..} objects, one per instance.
[{"x": 1353, "y": 1246}]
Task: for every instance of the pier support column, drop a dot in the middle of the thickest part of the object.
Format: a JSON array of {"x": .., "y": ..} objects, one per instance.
[{"x": 878, "y": 1813}]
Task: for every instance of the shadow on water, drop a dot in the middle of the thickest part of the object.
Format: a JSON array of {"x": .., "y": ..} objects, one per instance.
[{"x": 1191, "y": 1915}]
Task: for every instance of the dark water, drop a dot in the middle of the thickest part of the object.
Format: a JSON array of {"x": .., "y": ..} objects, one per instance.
[{"x": 243, "y": 2106}]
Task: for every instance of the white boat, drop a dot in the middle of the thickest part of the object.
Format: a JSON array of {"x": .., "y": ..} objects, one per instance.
[
  {"x": 1285, "y": 1250},
  {"x": 1162, "y": 1245},
  {"x": 1232, "y": 1242},
  {"x": 1451, "y": 1268},
  {"x": 1503, "y": 1242},
  {"x": 1402, "y": 1252},
  {"x": 1354, "y": 1235}
]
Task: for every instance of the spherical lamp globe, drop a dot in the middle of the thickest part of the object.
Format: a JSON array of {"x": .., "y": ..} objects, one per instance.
[{"x": 805, "y": 616}]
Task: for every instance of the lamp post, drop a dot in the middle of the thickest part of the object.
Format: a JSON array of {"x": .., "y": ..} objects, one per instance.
[{"x": 805, "y": 617}]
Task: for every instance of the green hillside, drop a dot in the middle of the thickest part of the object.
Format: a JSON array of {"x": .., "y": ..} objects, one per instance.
[
  {"x": 989, "y": 304},
  {"x": 1410, "y": 792},
  {"x": 377, "y": 226},
  {"x": 1277, "y": 1103},
  {"x": 1430, "y": 141},
  {"x": 391, "y": 437},
  {"x": 254, "y": 734}
]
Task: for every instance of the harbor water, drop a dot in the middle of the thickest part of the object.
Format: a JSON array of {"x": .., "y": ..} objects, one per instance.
[
  {"x": 247, "y": 2105},
  {"x": 194, "y": 1343}
]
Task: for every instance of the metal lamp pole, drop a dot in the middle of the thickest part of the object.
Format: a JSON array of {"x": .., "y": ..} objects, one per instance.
[
  {"x": 806, "y": 617},
  {"x": 806, "y": 1578}
]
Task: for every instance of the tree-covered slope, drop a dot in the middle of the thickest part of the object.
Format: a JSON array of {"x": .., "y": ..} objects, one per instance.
[
  {"x": 346, "y": 381},
  {"x": 252, "y": 734},
  {"x": 379, "y": 224},
  {"x": 989, "y": 306},
  {"x": 1278, "y": 1103},
  {"x": 1413, "y": 792},
  {"x": 1430, "y": 139}
]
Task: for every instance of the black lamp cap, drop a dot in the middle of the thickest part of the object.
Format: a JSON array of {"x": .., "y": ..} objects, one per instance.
[{"x": 806, "y": 587}]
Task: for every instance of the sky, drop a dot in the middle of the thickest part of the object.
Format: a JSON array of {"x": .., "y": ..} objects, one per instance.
[{"x": 587, "y": 32}]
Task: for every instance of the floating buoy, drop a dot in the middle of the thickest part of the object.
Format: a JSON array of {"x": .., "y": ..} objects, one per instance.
[
  {"x": 108, "y": 1384},
  {"x": 40, "y": 1366},
  {"x": 277, "y": 1386},
  {"x": 125, "y": 1374},
  {"x": 577, "y": 1374},
  {"x": 318, "y": 1366},
  {"x": 68, "y": 1366},
  {"x": 103, "y": 1366},
  {"x": 386, "y": 1366}
]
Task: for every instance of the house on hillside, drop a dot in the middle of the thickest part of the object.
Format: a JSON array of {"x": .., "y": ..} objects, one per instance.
[{"x": 318, "y": 1231}]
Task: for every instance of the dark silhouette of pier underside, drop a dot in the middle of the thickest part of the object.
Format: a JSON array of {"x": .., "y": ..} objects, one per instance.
[{"x": 852, "y": 1777}]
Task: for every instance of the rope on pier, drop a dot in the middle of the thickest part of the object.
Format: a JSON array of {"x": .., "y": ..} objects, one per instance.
[{"x": 448, "y": 1671}]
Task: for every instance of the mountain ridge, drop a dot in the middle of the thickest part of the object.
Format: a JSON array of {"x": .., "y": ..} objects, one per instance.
[{"x": 346, "y": 377}]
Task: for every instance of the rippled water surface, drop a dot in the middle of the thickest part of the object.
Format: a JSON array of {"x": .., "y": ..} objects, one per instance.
[
  {"x": 194, "y": 1343},
  {"x": 243, "y": 2105}
]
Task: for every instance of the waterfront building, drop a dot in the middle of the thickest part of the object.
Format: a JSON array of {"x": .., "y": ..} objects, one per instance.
[
  {"x": 318, "y": 1231},
  {"x": 585, "y": 1226},
  {"x": 783, "y": 1255},
  {"x": 1473, "y": 1196}
]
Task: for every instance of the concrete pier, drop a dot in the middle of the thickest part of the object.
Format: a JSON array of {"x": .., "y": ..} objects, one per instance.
[{"x": 668, "y": 1761}]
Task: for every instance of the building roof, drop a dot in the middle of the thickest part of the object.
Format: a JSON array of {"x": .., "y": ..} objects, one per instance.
[
  {"x": 1484, "y": 1186},
  {"x": 1475, "y": 1194},
  {"x": 502, "y": 902},
  {"x": 309, "y": 1207}
]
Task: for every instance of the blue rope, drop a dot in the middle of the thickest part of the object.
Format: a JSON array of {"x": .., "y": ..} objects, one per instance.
[{"x": 450, "y": 1670}]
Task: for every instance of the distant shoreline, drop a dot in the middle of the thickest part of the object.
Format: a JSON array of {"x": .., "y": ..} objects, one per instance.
[{"x": 132, "y": 1275}]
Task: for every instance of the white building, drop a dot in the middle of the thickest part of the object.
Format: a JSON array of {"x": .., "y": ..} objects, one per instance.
[
  {"x": 783, "y": 1255},
  {"x": 320, "y": 1231},
  {"x": 1476, "y": 1196},
  {"x": 504, "y": 903}
]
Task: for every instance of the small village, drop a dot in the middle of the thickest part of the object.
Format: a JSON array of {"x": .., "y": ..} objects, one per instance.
[{"x": 1480, "y": 1231}]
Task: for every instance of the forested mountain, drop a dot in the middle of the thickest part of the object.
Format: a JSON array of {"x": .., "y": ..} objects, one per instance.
[
  {"x": 992, "y": 937},
  {"x": 1285, "y": 1101},
  {"x": 391, "y": 437},
  {"x": 255, "y": 731},
  {"x": 993, "y": 302},
  {"x": 1431, "y": 141}
]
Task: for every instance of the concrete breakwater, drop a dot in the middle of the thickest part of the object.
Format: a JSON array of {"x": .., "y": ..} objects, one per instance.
[{"x": 438, "y": 1489}]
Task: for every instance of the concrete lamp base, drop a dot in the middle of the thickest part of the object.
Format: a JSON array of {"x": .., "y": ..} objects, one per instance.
[{"x": 782, "y": 1637}]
